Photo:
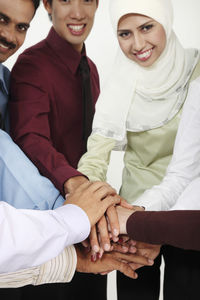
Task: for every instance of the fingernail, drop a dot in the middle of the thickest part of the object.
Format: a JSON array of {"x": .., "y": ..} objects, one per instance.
[
  {"x": 101, "y": 253},
  {"x": 116, "y": 232},
  {"x": 120, "y": 240},
  {"x": 125, "y": 249},
  {"x": 150, "y": 261},
  {"x": 98, "y": 256},
  {"x": 95, "y": 248},
  {"x": 132, "y": 249},
  {"x": 115, "y": 239},
  {"x": 93, "y": 257},
  {"x": 106, "y": 247}
]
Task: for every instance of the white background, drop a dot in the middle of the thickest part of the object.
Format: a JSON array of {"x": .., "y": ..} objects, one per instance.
[{"x": 101, "y": 47}]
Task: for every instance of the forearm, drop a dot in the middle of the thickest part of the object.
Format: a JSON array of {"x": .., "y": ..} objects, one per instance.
[
  {"x": 59, "y": 269},
  {"x": 29, "y": 188},
  {"x": 176, "y": 228},
  {"x": 29, "y": 238},
  {"x": 54, "y": 165},
  {"x": 94, "y": 163}
]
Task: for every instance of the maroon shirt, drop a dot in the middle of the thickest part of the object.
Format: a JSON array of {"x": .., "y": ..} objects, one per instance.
[
  {"x": 46, "y": 108},
  {"x": 177, "y": 228}
]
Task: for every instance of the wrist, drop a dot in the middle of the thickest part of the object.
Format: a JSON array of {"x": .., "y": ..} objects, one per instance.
[{"x": 72, "y": 183}]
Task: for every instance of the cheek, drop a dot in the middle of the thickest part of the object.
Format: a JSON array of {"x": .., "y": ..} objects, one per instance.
[
  {"x": 20, "y": 40},
  {"x": 125, "y": 46},
  {"x": 161, "y": 40},
  {"x": 58, "y": 15}
]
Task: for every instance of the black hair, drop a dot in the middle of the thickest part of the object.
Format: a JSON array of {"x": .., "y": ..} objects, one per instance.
[{"x": 36, "y": 4}]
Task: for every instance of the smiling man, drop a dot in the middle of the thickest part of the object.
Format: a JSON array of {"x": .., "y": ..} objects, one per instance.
[{"x": 51, "y": 109}]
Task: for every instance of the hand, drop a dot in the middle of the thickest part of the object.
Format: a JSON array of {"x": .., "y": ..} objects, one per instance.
[
  {"x": 94, "y": 199},
  {"x": 107, "y": 229},
  {"x": 100, "y": 237},
  {"x": 147, "y": 250},
  {"x": 109, "y": 262},
  {"x": 72, "y": 183}
]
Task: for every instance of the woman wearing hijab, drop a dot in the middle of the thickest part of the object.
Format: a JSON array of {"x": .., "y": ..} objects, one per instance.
[{"x": 139, "y": 111}]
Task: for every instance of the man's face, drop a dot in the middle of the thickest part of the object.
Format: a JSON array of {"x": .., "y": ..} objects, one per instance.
[
  {"x": 15, "y": 17},
  {"x": 72, "y": 19}
]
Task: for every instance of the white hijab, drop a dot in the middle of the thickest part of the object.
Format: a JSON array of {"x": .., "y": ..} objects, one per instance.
[{"x": 137, "y": 98}]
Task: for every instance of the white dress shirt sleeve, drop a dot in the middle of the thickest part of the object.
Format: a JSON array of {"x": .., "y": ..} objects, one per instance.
[
  {"x": 184, "y": 166},
  {"x": 29, "y": 238}
]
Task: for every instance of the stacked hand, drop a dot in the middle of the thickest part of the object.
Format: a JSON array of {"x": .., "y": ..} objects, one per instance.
[{"x": 108, "y": 247}]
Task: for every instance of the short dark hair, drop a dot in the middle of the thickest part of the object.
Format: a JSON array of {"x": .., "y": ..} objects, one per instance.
[
  {"x": 36, "y": 4},
  {"x": 50, "y": 1}
]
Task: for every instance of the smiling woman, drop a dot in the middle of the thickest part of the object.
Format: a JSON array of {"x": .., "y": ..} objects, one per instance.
[{"x": 139, "y": 110}]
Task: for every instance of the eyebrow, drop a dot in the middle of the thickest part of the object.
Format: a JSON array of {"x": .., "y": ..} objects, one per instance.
[
  {"x": 7, "y": 19},
  {"x": 144, "y": 24}
]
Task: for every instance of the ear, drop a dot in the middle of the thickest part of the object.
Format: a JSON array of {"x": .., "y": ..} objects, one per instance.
[{"x": 47, "y": 6}]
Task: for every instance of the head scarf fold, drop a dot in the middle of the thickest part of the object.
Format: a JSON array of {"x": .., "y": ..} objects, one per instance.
[{"x": 139, "y": 98}]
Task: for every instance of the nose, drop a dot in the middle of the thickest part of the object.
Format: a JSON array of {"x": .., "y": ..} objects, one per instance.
[
  {"x": 139, "y": 42},
  {"x": 77, "y": 11},
  {"x": 8, "y": 33}
]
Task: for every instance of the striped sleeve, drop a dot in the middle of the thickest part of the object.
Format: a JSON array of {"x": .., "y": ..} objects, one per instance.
[{"x": 58, "y": 269}]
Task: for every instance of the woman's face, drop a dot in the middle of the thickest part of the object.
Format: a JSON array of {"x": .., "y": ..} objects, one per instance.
[{"x": 141, "y": 38}]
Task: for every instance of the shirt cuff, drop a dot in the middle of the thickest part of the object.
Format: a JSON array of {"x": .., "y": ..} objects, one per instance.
[
  {"x": 77, "y": 222},
  {"x": 149, "y": 200},
  {"x": 59, "y": 269}
]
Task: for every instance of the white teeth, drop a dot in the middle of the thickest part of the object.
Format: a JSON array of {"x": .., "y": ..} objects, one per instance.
[
  {"x": 76, "y": 27},
  {"x": 3, "y": 46},
  {"x": 145, "y": 54}
]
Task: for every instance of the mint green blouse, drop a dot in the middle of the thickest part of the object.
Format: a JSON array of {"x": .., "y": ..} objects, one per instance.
[{"x": 146, "y": 157}]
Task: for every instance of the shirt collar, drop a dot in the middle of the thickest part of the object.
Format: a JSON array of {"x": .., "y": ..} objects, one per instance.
[
  {"x": 4, "y": 78},
  {"x": 66, "y": 53}
]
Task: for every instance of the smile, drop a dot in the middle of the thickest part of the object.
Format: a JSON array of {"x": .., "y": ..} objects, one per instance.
[
  {"x": 3, "y": 46},
  {"x": 76, "y": 29},
  {"x": 4, "y": 49},
  {"x": 143, "y": 56}
]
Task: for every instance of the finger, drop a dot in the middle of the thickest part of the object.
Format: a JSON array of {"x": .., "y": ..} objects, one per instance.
[
  {"x": 94, "y": 240},
  {"x": 113, "y": 222},
  {"x": 132, "y": 249},
  {"x": 133, "y": 258},
  {"x": 120, "y": 248},
  {"x": 105, "y": 273},
  {"x": 127, "y": 270},
  {"x": 125, "y": 204},
  {"x": 110, "y": 201},
  {"x": 102, "y": 206},
  {"x": 86, "y": 243},
  {"x": 149, "y": 253},
  {"x": 101, "y": 185},
  {"x": 104, "y": 191},
  {"x": 135, "y": 266},
  {"x": 104, "y": 235}
]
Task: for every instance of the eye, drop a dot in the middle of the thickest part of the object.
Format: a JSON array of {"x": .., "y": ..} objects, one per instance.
[
  {"x": 22, "y": 27},
  {"x": 124, "y": 34},
  {"x": 3, "y": 20},
  {"x": 146, "y": 27}
]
